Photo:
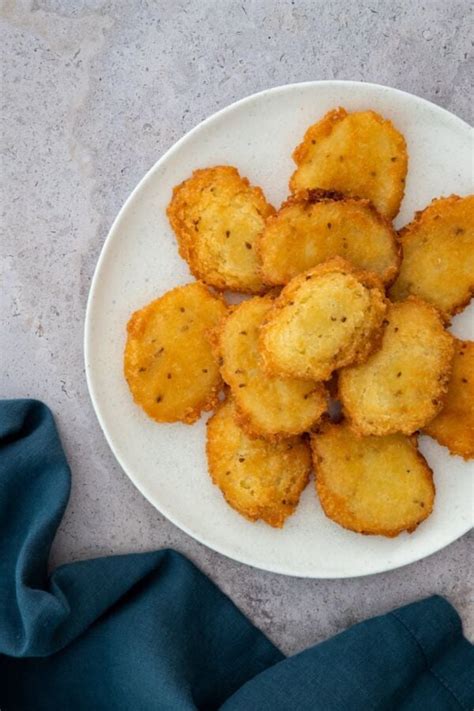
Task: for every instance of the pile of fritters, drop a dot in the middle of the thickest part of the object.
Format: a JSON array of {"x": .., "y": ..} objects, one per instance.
[{"x": 343, "y": 308}]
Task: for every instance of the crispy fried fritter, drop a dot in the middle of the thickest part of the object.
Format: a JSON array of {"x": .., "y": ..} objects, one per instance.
[
  {"x": 360, "y": 154},
  {"x": 217, "y": 216},
  {"x": 168, "y": 362},
  {"x": 454, "y": 425},
  {"x": 260, "y": 479},
  {"x": 266, "y": 406},
  {"x": 438, "y": 255},
  {"x": 373, "y": 485},
  {"x": 325, "y": 318},
  {"x": 402, "y": 385},
  {"x": 315, "y": 225}
]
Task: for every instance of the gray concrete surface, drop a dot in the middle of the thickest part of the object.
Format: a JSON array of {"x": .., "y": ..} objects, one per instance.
[{"x": 93, "y": 92}]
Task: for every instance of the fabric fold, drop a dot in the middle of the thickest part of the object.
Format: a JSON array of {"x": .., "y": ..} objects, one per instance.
[
  {"x": 137, "y": 631},
  {"x": 414, "y": 658}
]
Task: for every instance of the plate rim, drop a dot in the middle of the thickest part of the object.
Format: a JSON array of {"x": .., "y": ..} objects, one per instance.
[{"x": 203, "y": 540}]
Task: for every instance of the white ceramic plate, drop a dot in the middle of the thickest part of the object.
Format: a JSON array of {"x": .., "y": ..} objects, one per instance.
[{"x": 140, "y": 261}]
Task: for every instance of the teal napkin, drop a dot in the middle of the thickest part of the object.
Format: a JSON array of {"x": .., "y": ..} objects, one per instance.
[{"x": 149, "y": 631}]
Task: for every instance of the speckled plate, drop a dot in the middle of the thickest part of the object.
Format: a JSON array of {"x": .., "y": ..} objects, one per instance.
[{"x": 140, "y": 261}]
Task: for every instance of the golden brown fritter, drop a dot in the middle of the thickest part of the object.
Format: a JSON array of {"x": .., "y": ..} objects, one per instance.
[
  {"x": 217, "y": 216},
  {"x": 360, "y": 154},
  {"x": 438, "y": 255},
  {"x": 168, "y": 363},
  {"x": 325, "y": 318},
  {"x": 266, "y": 406},
  {"x": 374, "y": 485},
  {"x": 453, "y": 427},
  {"x": 316, "y": 225},
  {"x": 258, "y": 478},
  {"x": 402, "y": 385}
]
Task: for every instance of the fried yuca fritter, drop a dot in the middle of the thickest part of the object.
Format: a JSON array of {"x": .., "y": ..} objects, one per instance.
[
  {"x": 453, "y": 427},
  {"x": 438, "y": 255},
  {"x": 217, "y": 216},
  {"x": 258, "y": 478},
  {"x": 266, "y": 406},
  {"x": 360, "y": 154},
  {"x": 325, "y": 318},
  {"x": 402, "y": 385},
  {"x": 168, "y": 364},
  {"x": 315, "y": 225},
  {"x": 373, "y": 485}
]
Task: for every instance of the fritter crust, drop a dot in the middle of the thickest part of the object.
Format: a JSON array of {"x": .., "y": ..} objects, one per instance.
[
  {"x": 258, "y": 478},
  {"x": 438, "y": 261},
  {"x": 217, "y": 216},
  {"x": 360, "y": 154},
  {"x": 453, "y": 427},
  {"x": 168, "y": 362},
  {"x": 266, "y": 406},
  {"x": 373, "y": 485},
  {"x": 402, "y": 385},
  {"x": 315, "y": 225},
  {"x": 324, "y": 319}
]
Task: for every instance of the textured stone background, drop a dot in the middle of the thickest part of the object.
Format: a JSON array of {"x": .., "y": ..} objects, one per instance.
[{"x": 93, "y": 93}]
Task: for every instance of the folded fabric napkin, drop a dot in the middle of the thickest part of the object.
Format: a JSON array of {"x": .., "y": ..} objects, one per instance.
[{"x": 149, "y": 631}]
